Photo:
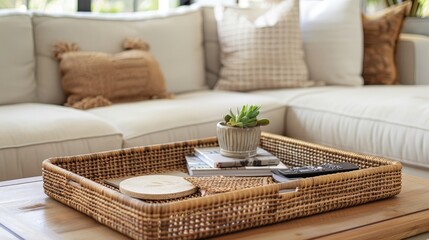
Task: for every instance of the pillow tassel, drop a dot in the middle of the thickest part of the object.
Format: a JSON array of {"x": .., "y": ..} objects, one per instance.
[
  {"x": 63, "y": 47},
  {"x": 89, "y": 102},
  {"x": 135, "y": 43}
]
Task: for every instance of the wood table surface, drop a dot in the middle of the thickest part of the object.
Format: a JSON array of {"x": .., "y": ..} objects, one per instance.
[{"x": 27, "y": 213}]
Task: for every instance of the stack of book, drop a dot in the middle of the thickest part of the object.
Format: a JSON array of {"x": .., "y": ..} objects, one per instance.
[{"x": 209, "y": 162}]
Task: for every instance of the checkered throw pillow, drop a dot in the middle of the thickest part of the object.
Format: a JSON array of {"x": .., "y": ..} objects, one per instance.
[{"x": 262, "y": 51}]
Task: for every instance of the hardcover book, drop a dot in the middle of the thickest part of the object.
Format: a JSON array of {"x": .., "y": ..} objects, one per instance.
[
  {"x": 214, "y": 159},
  {"x": 198, "y": 168}
]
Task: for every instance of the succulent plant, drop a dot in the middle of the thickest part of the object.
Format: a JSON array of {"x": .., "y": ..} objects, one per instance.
[{"x": 245, "y": 118}]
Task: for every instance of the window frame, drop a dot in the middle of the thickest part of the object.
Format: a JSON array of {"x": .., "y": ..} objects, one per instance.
[{"x": 85, "y": 5}]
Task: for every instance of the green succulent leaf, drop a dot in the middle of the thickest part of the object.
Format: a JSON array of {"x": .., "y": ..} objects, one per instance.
[
  {"x": 242, "y": 113},
  {"x": 227, "y": 118},
  {"x": 239, "y": 124},
  {"x": 246, "y": 116},
  {"x": 253, "y": 114},
  {"x": 263, "y": 122},
  {"x": 252, "y": 124},
  {"x": 231, "y": 113}
]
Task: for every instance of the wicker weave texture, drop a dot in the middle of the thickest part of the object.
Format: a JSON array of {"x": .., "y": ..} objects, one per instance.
[{"x": 77, "y": 182}]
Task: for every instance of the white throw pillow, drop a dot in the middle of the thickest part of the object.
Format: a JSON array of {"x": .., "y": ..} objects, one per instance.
[
  {"x": 333, "y": 40},
  {"x": 261, "y": 49}
]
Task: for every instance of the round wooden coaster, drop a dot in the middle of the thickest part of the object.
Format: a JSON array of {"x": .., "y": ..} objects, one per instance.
[{"x": 157, "y": 187}]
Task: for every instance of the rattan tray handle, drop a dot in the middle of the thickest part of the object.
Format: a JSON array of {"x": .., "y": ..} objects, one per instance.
[
  {"x": 300, "y": 185},
  {"x": 326, "y": 179},
  {"x": 290, "y": 185}
]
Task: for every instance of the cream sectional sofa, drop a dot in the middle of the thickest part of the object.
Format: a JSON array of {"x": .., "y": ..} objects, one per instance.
[{"x": 391, "y": 121}]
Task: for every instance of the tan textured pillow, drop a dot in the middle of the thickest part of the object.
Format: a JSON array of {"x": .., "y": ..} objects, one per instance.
[
  {"x": 381, "y": 33},
  {"x": 262, "y": 49},
  {"x": 94, "y": 79}
]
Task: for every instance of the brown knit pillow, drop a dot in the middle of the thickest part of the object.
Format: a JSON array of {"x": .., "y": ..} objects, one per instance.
[
  {"x": 381, "y": 33},
  {"x": 95, "y": 79}
]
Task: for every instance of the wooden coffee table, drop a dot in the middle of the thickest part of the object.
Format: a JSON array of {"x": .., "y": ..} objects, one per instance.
[{"x": 27, "y": 213}]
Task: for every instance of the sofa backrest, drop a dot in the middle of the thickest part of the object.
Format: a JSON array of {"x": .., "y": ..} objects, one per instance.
[
  {"x": 17, "y": 80},
  {"x": 211, "y": 46},
  {"x": 175, "y": 40},
  {"x": 416, "y": 25}
]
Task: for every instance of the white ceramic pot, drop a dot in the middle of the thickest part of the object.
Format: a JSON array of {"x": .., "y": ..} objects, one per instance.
[{"x": 238, "y": 142}]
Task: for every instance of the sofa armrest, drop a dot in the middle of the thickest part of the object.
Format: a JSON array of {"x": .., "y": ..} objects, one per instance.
[{"x": 412, "y": 58}]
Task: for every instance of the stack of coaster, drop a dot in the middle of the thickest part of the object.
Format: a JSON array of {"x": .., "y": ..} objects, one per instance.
[{"x": 157, "y": 187}]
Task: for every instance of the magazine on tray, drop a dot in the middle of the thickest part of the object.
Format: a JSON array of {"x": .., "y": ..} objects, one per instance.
[
  {"x": 199, "y": 168},
  {"x": 213, "y": 158}
]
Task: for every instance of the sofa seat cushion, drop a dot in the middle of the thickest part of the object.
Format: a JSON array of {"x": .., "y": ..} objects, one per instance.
[
  {"x": 188, "y": 116},
  {"x": 390, "y": 121},
  {"x": 32, "y": 132}
]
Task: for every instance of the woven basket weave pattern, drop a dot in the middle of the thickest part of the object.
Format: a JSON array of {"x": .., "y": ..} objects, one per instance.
[{"x": 76, "y": 182}]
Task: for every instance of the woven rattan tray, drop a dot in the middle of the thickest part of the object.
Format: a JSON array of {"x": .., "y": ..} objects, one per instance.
[{"x": 77, "y": 181}]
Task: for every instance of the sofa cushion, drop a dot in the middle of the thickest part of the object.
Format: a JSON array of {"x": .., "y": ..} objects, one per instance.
[
  {"x": 175, "y": 39},
  {"x": 188, "y": 116},
  {"x": 332, "y": 36},
  {"x": 381, "y": 33},
  {"x": 17, "y": 81},
  {"x": 333, "y": 40},
  {"x": 94, "y": 79},
  {"x": 261, "y": 49},
  {"x": 390, "y": 121},
  {"x": 416, "y": 25},
  {"x": 32, "y": 131}
]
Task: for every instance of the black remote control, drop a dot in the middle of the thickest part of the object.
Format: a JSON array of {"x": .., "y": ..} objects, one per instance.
[{"x": 311, "y": 171}]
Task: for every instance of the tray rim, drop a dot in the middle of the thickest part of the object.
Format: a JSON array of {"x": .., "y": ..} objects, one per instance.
[{"x": 74, "y": 178}]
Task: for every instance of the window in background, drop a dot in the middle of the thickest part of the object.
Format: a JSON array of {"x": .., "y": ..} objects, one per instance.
[
  {"x": 420, "y": 7},
  {"x": 256, "y": 3},
  {"x": 216, "y": 2},
  {"x": 112, "y": 6},
  {"x": 423, "y": 10},
  {"x": 53, "y": 5},
  {"x": 167, "y": 4},
  {"x": 14, "y": 4},
  {"x": 115, "y": 6},
  {"x": 147, "y": 5},
  {"x": 100, "y": 6},
  {"x": 373, "y": 6},
  {"x": 44, "y": 5}
]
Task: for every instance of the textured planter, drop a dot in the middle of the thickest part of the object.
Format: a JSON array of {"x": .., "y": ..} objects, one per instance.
[{"x": 238, "y": 142}]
